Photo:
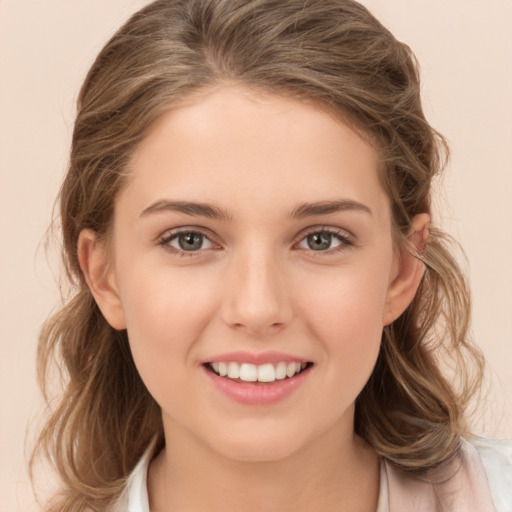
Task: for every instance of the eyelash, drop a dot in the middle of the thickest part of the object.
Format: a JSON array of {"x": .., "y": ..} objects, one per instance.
[
  {"x": 346, "y": 241},
  {"x": 167, "y": 238}
]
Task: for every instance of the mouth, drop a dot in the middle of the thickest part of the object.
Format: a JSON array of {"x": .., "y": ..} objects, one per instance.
[{"x": 253, "y": 373}]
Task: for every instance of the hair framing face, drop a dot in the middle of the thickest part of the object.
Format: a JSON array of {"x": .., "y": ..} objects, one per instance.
[{"x": 332, "y": 53}]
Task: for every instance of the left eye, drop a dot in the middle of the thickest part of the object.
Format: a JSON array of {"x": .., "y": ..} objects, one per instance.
[
  {"x": 188, "y": 241},
  {"x": 322, "y": 241}
]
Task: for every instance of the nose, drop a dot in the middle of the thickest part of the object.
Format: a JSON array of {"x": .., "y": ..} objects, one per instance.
[{"x": 257, "y": 294}]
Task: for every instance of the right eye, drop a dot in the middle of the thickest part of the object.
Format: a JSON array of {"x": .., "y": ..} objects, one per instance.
[{"x": 186, "y": 242}]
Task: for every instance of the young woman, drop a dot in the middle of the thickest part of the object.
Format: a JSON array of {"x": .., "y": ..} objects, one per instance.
[{"x": 266, "y": 316}]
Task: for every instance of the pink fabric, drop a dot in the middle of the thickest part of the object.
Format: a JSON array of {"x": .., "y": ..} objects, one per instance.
[{"x": 466, "y": 491}]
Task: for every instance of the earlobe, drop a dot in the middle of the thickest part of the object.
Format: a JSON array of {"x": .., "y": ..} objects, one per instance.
[
  {"x": 94, "y": 262},
  {"x": 409, "y": 273}
]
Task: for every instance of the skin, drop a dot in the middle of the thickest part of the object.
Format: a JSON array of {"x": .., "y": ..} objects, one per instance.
[{"x": 255, "y": 284}]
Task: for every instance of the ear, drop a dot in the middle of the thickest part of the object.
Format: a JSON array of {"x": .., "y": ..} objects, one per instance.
[
  {"x": 408, "y": 270},
  {"x": 99, "y": 276}
]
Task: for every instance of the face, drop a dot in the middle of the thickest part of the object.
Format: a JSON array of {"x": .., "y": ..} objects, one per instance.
[{"x": 253, "y": 238}]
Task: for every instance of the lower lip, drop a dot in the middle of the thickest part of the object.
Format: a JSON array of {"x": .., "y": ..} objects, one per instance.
[{"x": 251, "y": 393}]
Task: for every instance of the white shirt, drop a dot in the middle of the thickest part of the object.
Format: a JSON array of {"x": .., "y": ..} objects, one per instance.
[{"x": 482, "y": 483}]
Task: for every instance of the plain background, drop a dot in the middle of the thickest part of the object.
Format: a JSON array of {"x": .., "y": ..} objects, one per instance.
[{"x": 465, "y": 50}]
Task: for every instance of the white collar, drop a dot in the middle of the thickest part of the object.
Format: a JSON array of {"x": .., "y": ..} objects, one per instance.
[
  {"x": 481, "y": 483},
  {"x": 135, "y": 497}
]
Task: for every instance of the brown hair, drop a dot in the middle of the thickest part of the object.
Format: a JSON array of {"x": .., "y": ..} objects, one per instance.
[{"x": 330, "y": 52}]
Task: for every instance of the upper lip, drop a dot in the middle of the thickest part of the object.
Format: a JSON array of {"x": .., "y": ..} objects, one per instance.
[{"x": 256, "y": 358}]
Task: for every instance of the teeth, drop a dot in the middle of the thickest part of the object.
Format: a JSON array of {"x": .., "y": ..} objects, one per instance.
[
  {"x": 281, "y": 371},
  {"x": 266, "y": 373},
  {"x": 257, "y": 373},
  {"x": 248, "y": 372},
  {"x": 233, "y": 371},
  {"x": 223, "y": 369},
  {"x": 291, "y": 369}
]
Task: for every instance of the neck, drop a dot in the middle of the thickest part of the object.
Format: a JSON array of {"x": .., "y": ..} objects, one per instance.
[{"x": 337, "y": 472}]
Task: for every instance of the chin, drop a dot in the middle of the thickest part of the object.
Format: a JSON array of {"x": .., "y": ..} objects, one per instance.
[
  {"x": 260, "y": 444},
  {"x": 258, "y": 452}
]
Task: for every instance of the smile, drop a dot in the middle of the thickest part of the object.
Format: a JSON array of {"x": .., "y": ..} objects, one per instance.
[
  {"x": 257, "y": 379},
  {"x": 247, "y": 372}
]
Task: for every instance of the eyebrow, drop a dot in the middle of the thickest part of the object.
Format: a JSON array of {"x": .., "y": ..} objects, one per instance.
[
  {"x": 189, "y": 208},
  {"x": 301, "y": 211},
  {"x": 325, "y": 207}
]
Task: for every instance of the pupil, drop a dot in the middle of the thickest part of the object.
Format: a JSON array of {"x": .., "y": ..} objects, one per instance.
[
  {"x": 319, "y": 241},
  {"x": 190, "y": 241}
]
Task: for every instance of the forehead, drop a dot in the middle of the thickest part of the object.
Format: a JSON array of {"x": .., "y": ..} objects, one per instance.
[{"x": 237, "y": 145}]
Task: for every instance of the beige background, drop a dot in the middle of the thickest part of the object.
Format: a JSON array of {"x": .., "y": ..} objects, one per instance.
[{"x": 465, "y": 48}]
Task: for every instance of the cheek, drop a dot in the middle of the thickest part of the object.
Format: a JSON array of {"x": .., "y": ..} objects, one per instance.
[
  {"x": 345, "y": 311},
  {"x": 166, "y": 313},
  {"x": 166, "y": 300},
  {"x": 349, "y": 300}
]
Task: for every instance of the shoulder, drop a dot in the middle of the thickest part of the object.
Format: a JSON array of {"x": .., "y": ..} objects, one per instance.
[
  {"x": 135, "y": 495},
  {"x": 481, "y": 482},
  {"x": 496, "y": 457},
  {"x": 478, "y": 480}
]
